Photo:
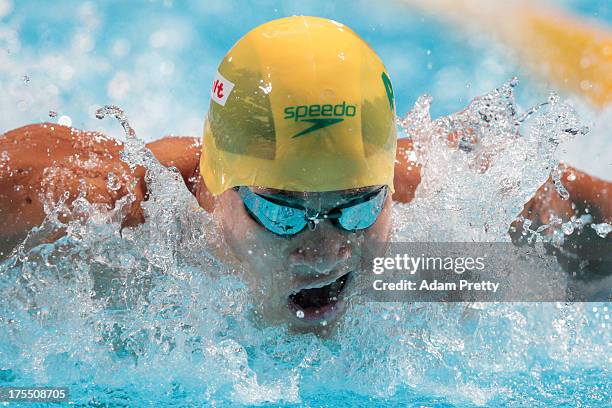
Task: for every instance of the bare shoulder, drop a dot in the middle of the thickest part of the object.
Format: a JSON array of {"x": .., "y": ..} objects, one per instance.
[
  {"x": 43, "y": 163},
  {"x": 46, "y": 142},
  {"x": 182, "y": 152},
  {"x": 407, "y": 174}
]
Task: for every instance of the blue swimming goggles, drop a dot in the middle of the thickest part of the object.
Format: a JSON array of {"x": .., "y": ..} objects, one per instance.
[{"x": 286, "y": 219}]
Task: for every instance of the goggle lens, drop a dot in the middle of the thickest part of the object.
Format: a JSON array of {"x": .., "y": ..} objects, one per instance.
[
  {"x": 286, "y": 221},
  {"x": 363, "y": 215},
  {"x": 279, "y": 219}
]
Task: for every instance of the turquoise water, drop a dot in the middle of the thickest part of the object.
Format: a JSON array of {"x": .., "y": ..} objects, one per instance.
[{"x": 148, "y": 317}]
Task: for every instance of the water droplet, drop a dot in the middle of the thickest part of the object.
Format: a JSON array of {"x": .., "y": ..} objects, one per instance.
[
  {"x": 602, "y": 229},
  {"x": 568, "y": 228},
  {"x": 64, "y": 121},
  {"x": 300, "y": 314},
  {"x": 556, "y": 177},
  {"x": 113, "y": 183},
  {"x": 119, "y": 114}
]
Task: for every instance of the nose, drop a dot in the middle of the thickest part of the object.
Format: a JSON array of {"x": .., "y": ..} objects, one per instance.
[{"x": 321, "y": 249}]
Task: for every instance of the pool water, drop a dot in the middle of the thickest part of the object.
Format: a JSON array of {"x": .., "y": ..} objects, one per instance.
[{"x": 148, "y": 316}]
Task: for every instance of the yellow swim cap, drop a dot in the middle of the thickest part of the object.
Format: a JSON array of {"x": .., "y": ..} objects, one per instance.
[{"x": 300, "y": 104}]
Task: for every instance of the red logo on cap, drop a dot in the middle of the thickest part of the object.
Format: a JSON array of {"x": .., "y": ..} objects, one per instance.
[{"x": 218, "y": 88}]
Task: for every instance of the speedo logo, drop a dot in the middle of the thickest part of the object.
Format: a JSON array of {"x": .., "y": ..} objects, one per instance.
[{"x": 319, "y": 115}]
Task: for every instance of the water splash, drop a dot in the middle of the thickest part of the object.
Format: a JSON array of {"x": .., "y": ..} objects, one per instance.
[
  {"x": 481, "y": 165},
  {"x": 602, "y": 229},
  {"x": 120, "y": 115},
  {"x": 151, "y": 314},
  {"x": 168, "y": 197}
]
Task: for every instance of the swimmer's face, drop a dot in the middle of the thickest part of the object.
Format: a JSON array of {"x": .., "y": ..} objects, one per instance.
[{"x": 296, "y": 279}]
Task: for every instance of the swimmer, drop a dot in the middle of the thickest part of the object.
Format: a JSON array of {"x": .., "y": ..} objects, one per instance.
[{"x": 299, "y": 160}]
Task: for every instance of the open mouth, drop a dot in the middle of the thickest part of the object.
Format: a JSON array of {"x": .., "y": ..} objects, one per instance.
[{"x": 318, "y": 303}]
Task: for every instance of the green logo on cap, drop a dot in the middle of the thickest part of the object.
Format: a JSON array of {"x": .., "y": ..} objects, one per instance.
[
  {"x": 319, "y": 115},
  {"x": 388, "y": 88}
]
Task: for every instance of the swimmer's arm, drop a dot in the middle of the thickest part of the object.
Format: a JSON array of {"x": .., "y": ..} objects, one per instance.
[
  {"x": 44, "y": 161},
  {"x": 40, "y": 163},
  {"x": 407, "y": 173},
  {"x": 43, "y": 164},
  {"x": 184, "y": 154},
  {"x": 588, "y": 195}
]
